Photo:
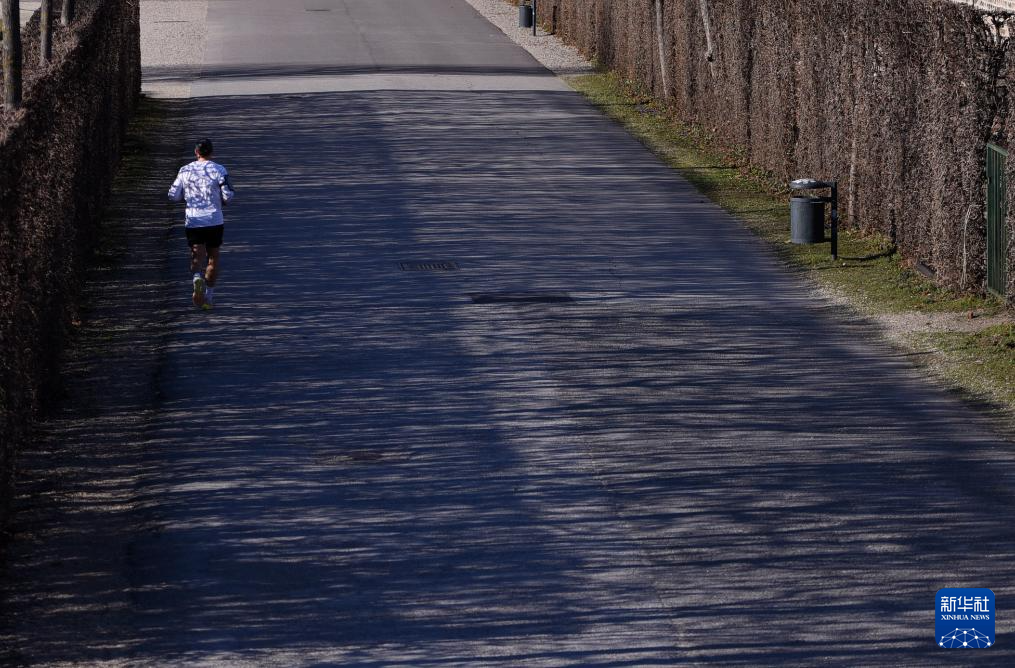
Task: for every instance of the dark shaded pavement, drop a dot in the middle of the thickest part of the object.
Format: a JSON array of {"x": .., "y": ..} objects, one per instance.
[{"x": 618, "y": 434}]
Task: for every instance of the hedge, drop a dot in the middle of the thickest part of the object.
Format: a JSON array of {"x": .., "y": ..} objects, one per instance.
[{"x": 58, "y": 154}]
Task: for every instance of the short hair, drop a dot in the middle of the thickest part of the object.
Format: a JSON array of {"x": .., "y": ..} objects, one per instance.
[{"x": 204, "y": 148}]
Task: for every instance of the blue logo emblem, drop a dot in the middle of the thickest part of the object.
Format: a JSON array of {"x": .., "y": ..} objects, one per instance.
[{"x": 964, "y": 618}]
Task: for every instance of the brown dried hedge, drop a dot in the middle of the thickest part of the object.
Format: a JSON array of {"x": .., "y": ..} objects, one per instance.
[
  {"x": 896, "y": 100},
  {"x": 58, "y": 154}
]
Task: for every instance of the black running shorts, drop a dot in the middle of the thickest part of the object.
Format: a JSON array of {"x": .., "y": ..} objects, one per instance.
[{"x": 209, "y": 237}]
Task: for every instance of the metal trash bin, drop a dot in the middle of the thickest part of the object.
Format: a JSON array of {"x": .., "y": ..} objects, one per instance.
[
  {"x": 807, "y": 220},
  {"x": 524, "y": 15}
]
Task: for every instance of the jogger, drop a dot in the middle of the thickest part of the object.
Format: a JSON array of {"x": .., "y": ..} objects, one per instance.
[{"x": 205, "y": 186}]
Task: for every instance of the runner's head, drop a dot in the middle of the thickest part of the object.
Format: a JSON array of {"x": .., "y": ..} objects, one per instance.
[{"x": 203, "y": 149}]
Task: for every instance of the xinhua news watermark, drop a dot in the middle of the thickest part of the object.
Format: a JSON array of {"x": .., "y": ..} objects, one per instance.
[{"x": 965, "y": 618}]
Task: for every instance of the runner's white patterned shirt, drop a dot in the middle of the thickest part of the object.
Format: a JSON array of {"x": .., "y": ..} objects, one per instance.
[{"x": 205, "y": 185}]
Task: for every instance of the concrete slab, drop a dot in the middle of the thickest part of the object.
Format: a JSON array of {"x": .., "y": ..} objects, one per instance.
[
  {"x": 28, "y": 8},
  {"x": 172, "y": 45}
]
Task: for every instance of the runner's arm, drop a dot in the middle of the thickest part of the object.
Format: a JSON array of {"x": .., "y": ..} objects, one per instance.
[
  {"x": 227, "y": 189},
  {"x": 176, "y": 190}
]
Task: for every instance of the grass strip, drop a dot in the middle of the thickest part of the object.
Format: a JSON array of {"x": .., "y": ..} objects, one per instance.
[{"x": 981, "y": 363}]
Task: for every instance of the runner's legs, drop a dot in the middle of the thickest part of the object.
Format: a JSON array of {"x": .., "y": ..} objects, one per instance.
[
  {"x": 211, "y": 274},
  {"x": 198, "y": 255}
]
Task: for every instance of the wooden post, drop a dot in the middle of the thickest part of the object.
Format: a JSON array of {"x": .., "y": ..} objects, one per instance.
[
  {"x": 664, "y": 64},
  {"x": 46, "y": 31},
  {"x": 12, "y": 52},
  {"x": 67, "y": 13},
  {"x": 709, "y": 48}
]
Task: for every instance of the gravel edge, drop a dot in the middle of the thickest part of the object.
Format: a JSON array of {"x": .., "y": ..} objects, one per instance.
[{"x": 560, "y": 58}]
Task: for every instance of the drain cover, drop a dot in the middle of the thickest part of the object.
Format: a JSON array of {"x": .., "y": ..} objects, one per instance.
[
  {"x": 355, "y": 457},
  {"x": 521, "y": 298},
  {"x": 428, "y": 266}
]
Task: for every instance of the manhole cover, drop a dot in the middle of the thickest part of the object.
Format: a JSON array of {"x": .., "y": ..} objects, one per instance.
[
  {"x": 356, "y": 457},
  {"x": 428, "y": 266},
  {"x": 521, "y": 298}
]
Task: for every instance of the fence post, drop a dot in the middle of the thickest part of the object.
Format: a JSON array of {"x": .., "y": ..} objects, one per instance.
[
  {"x": 46, "y": 30},
  {"x": 660, "y": 43},
  {"x": 997, "y": 218},
  {"x": 67, "y": 13},
  {"x": 11, "y": 52}
]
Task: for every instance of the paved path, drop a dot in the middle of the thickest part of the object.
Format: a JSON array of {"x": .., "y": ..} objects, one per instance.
[{"x": 617, "y": 434}]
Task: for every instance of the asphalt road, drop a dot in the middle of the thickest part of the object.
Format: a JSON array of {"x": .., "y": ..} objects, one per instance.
[{"x": 617, "y": 434}]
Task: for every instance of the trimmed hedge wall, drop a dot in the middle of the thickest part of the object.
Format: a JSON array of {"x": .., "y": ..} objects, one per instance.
[
  {"x": 58, "y": 155},
  {"x": 896, "y": 100}
]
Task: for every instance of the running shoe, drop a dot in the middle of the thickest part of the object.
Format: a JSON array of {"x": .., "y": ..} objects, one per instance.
[
  {"x": 209, "y": 299},
  {"x": 199, "y": 291}
]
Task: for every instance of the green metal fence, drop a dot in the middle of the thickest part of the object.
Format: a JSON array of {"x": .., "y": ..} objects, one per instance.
[{"x": 997, "y": 237}]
